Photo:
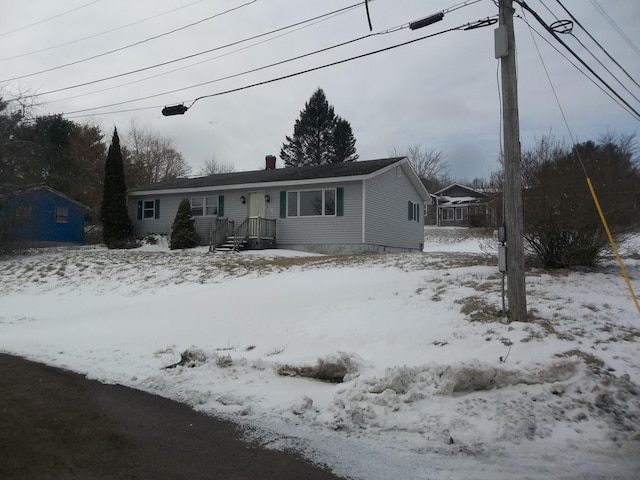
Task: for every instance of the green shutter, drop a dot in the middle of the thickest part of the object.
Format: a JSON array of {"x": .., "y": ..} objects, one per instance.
[
  {"x": 139, "y": 209},
  {"x": 340, "y": 201},
  {"x": 410, "y": 210},
  {"x": 156, "y": 209},
  {"x": 221, "y": 205},
  {"x": 283, "y": 204}
]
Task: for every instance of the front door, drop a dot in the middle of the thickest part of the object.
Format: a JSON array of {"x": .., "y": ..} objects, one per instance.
[
  {"x": 256, "y": 211},
  {"x": 256, "y": 204}
]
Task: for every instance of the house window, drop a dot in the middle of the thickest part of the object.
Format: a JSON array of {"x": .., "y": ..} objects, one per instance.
[
  {"x": 414, "y": 212},
  {"x": 447, "y": 214},
  {"x": 62, "y": 215},
  {"x": 458, "y": 213},
  {"x": 204, "y": 206},
  {"x": 311, "y": 203},
  {"x": 148, "y": 209},
  {"x": 23, "y": 210},
  {"x": 292, "y": 204}
]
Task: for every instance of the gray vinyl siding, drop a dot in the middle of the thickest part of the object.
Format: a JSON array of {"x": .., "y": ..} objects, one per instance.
[
  {"x": 234, "y": 209},
  {"x": 325, "y": 230},
  {"x": 161, "y": 226},
  {"x": 386, "y": 211}
]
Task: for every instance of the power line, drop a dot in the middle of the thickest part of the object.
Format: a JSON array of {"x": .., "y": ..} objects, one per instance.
[
  {"x": 467, "y": 26},
  {"x": 389, "y": 30},
  {"x": 550, "y": 30},
  {"x": 596, "y": 84},
  {"x": 601, "y": 48},
  {"x": 608, "y": 18},
  {"x": 49, "y": 18},
  {"x": 99, "y": 34},
  {"x": 150, "y": 67},
  {"x": 196, "y": 63},
  {"x": 131, "y": 44},
  {"x": 253, "y": 70}
]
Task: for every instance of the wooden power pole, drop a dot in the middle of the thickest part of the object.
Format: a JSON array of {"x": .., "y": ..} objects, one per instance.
[{"x": 513, "y": 211}]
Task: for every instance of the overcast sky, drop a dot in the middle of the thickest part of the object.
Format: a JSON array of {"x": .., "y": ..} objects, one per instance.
[{"x": 441, "y": 92}]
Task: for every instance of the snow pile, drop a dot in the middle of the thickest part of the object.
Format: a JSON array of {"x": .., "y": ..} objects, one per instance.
[{"x": 381, "y": 366}]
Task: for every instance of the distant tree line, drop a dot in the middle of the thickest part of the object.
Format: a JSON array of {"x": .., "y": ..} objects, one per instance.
[{"x": 70, "y": 156}]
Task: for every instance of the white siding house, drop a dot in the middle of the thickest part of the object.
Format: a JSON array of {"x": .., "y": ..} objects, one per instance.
[{"x": 365, "y": 206}]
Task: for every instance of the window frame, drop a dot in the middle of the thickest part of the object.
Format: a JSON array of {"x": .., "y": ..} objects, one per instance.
[
  {"x": 61, "y": 215},
  {"x": 207, "y": 203},
  {"x": 298, "y": 209},
  {"x": 148, "y": 209},
  {"x": 415, "y": 212}
]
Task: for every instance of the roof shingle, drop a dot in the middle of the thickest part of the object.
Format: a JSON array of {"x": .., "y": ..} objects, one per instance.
[{"x": 333, "y": 170}]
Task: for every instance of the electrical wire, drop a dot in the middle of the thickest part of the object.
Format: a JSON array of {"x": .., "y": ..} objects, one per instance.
[
  {"x": 235, "y": 75},
  {"x": 49, "y": 18},
  {"x": 302, "y": 72},
  {"x": 596, "y": 84},
  {"x": 119, "y": 49},
  {"x": 52, "y": 47},
  {"x": 550, "y": 30},
  {"x": 608, "y": 18},
  {"x": 221, "y": 47},
  {"x": 600, "y": 46},
  {"x": 201, "y": 61}
]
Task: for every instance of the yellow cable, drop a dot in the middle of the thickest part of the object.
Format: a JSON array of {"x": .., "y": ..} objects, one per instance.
[{"x": 613, "y": 244}]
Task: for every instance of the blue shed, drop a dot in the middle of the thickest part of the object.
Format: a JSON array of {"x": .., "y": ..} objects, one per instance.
[{"x": 44, "y": 216}]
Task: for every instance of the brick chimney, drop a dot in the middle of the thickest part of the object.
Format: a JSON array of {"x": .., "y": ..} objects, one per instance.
[{"x": 270, "y": 162}]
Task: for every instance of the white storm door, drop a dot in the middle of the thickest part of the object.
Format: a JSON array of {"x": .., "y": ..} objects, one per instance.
[{"x": 256, "y": 204}]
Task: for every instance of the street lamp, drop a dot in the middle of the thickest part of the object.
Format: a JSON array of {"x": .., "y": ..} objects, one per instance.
[{"x": 174, "y": 110}]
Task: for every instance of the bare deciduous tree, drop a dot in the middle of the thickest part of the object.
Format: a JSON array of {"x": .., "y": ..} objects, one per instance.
[
  {"x": 428, "y": 163},
  {"x": 151, "y": 158},
  {"x": 561, "y": 222},
  {"x": 211, "y": 167}
]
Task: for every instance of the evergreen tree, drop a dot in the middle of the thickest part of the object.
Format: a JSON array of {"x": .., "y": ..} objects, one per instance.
[
  {"x": 183, "y": 230},
  {"x": 344, "y": 143},
  {"x": 319, "y": 136},
  {"x": 117, "y": 230}
]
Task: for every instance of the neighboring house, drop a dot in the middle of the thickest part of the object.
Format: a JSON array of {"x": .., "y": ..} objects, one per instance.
[
  {"x": 459, "y": 205},
  {"x": 42, "y": 216},
  {"x": 346, "y": 207}
]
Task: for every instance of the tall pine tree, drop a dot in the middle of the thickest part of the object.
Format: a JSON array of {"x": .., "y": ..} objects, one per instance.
[
  {"x": 117, "y": 231},
  {"x": 319, "y": 136},
  {"x": 344, "y": 143}
]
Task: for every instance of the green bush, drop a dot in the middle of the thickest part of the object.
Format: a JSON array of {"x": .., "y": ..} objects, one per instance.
[{"x": 183, "y": 230}]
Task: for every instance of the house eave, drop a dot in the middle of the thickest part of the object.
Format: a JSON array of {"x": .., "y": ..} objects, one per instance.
[{"x": 285, "y": 183}]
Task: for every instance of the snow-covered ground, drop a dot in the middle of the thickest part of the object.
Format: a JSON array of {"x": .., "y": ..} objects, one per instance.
[{"x": 438, "y": 386}]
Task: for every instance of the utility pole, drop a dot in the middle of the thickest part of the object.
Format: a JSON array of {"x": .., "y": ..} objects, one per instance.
[{"x": 512, "y": 196}]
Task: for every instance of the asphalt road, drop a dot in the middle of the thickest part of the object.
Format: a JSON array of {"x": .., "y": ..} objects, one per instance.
[{"x": 56, "y": 424}]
